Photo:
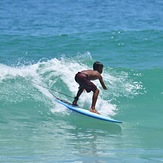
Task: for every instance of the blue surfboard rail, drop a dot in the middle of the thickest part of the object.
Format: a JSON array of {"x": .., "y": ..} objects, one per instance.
[{"x": 86, "y": 112}]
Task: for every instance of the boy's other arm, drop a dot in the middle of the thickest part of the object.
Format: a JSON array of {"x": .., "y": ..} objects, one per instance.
[{"x": 102, "y": 82}]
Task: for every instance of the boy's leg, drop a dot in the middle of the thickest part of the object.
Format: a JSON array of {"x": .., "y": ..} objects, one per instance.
[
  {"x": 77, "y": 96},
  {"x": 94, "y": 100}
]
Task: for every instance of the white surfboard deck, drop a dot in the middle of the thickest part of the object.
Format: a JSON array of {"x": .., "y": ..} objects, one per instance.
[{"x": 86, "y": 112}]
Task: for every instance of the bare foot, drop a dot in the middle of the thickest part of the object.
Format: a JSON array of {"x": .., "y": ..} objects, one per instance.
[{"x": 94, "y": 111}]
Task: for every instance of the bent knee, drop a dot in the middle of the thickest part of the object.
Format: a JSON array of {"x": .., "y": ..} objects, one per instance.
[{"x": 97, "y": 91}]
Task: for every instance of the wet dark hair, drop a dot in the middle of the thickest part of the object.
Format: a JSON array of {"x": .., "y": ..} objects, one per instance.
[{"x": 96, "y": 65}]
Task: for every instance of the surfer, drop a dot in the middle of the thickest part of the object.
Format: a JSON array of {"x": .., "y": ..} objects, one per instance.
[{"x": 84, "y": 78}]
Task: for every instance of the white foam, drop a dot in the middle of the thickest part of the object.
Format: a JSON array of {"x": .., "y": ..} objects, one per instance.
[
  {"x": 11, "y": 72},
  {"x": 47, "y": 73}
]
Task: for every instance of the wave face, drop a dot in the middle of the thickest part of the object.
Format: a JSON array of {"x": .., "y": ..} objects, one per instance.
[
  {"x": 29, "y": 110},
  {"x": 33, "y": 84}
]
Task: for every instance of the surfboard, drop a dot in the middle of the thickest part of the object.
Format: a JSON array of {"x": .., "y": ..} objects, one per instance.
[{"x": 86, "y": 112}]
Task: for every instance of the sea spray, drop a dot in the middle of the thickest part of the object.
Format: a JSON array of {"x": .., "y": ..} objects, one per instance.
[{"x": 37, "y": 81}]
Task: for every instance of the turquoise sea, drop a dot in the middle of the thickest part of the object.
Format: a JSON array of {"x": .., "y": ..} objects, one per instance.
[{"x": 44, "y": 43}]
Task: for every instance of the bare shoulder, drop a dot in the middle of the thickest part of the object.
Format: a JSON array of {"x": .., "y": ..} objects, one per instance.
[{"x": 92, "y": 74}]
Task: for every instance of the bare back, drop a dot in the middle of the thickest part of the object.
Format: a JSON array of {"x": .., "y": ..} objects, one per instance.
[{"x": 93, "y": 75}]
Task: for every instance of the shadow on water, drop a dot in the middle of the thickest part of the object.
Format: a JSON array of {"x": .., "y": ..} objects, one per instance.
[{"x": 84, "y": 122}]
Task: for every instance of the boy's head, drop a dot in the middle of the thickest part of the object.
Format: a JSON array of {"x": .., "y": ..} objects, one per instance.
[{"x": 98, "y": 66}]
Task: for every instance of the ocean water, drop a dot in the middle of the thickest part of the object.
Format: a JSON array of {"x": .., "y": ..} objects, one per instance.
[{"x": 44, "y": 43}]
